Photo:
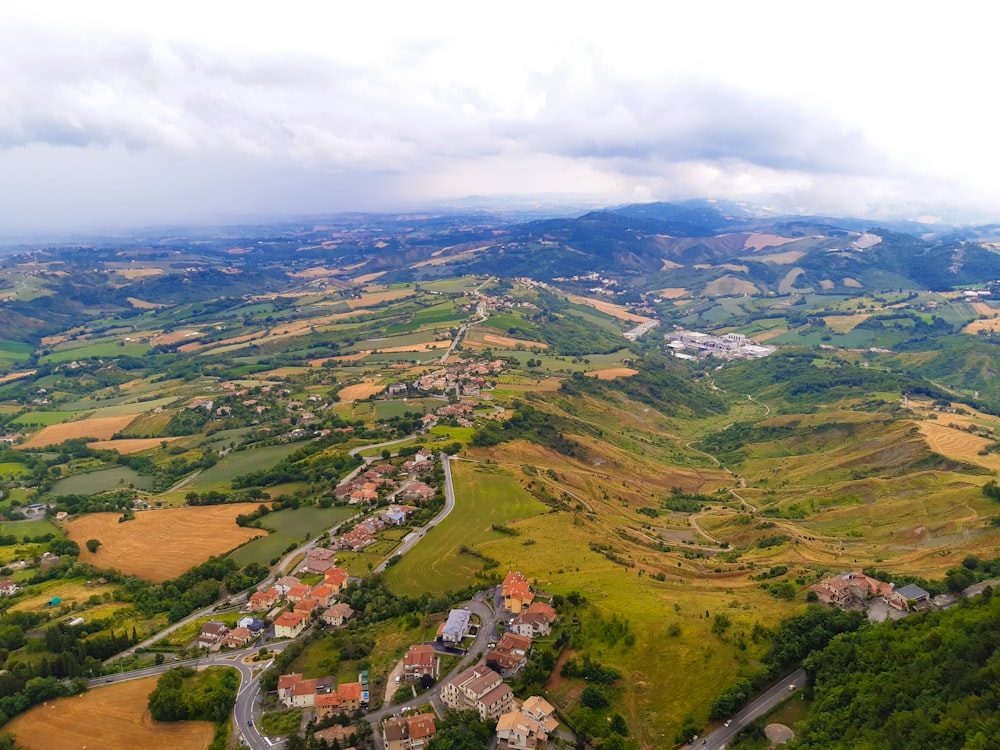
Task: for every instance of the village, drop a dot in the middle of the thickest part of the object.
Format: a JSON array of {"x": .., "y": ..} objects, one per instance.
[{"x": 294, "y": 607}]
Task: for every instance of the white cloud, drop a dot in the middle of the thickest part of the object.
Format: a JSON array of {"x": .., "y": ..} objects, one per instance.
[{"x": 866, "y": 108}]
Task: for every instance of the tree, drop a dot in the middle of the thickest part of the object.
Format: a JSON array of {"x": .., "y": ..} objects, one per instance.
[{"x": 92, "y": 545}]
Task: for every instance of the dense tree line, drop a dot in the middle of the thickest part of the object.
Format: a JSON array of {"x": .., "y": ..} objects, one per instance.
[
  {"x": 526, "y": 423},
  {"x": 929, "y": 680},
  {"x": 182, "y": 694}
]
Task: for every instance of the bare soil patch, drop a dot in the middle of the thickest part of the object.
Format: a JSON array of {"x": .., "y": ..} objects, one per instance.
[
  {"x": 609, "y": 308},
  {"x": 853, "y": 283},
  {"x": 730, "y": 285},
  {"x": 375, "y": 298},
  {"x": 725, "y": 266},
  {"x": 672, "y": 292},
  {"x": 360, "y": 391},
  {"x": 760, "y": 241},
  {"x": 611, "y": 373},
  {"x": 101, "y": 428},
  {"x": 787, "y": 284},
  {"x": 113, "y": 717},
  {"x": 780, "y": 259},
  {"x": 492, "y": 338},
  {"x": 958, "y": 444},
  {"x": 845, "y": 323},
  {"x": 174, "y": 337},
  {"x": 140, "y": 273},
  {"x": 16, "y": 375},
  {"x": 768, "y": 335},
  {"x": 669, "y": 265},
  {"x": 129, "y": 445},
  {"x": 427, "y": 346},
  {"x": 992, "y": 324},
  {"x": 984, "y": 308},
  {"x": 368, "y": 277},
  {"x": 141, "y": 304},
  {"x": 826, "y": 284},
  {"x": 343, "y": 358},
  {"x": 161, "y": 544}
]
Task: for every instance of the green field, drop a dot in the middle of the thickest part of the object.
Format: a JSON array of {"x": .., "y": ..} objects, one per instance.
[
  {"x": 101, "y": 481},
  {"x": 238, "y": 463},
  {"x": 290, "y": 526},
  {"x": 12, "y": 470},
  {"x": 463, "y": 434},
  {"x": 30, "y": 528},
  {"x": 485, "y": 495},
  {"x": 45, "y": 417},
  {"x": 98, "y": 349}
]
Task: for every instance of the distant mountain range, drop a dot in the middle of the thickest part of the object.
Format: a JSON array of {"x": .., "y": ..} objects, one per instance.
[{"x": 703, "y": 248}]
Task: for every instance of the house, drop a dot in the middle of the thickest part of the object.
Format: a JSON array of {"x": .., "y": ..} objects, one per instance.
[
  {"x": 853, "y": 590},
  {"x": 517, "y": 594},
  {"x": 318, "y": 560},
  {"x": 289, "y": 625},
  {"x": 285, "y": 583},
  {"x": 510, "y": 654},
  {"x": 295, "y": 691},
  {"x": 454, "y": 629},
  {"x": 8, "y": 587},
  {"x": 298, "y": 592},
  {"x": 912, "y": 592},
  {"x": 336, "y": 578},
  {"x": 515, "y": 731},
  {"x": 324, "y": 595},
  {"x": 237, "y": 638},
  {"x": 337, "y": 615},
  {"x": 262, "y": 601},
  {"x": 534, "y": 621},
  {"x": 350, "y": 695},
  {"x": 542, "y": 711},
  {"x": 285, "y": 684},
  {"x": 327, "y": 705},
  {"x": 211, "y": 635},
  {"x": 252, "y": 624},
  {"x": 408, "y": 732},
  {"x": 478, "y": 689},
  {"x": 419, "y": 661},
  {"x": 306, "y": 606},
  {"x": 418, "y": 492}
]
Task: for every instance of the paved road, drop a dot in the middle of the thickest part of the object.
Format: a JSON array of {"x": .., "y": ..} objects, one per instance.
[
  {"x": 418, "y": 533},
  {"x": 717, "y": 740},
  {"x": 476, "y": 652}
]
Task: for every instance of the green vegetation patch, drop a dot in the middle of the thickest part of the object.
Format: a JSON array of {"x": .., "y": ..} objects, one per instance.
[
  {"x": 485, "y": 495},
  {"x": 289, "y": 527},
  {"x": 101, "y": 481}
]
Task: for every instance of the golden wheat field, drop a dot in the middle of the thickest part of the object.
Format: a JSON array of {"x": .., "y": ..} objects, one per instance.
[
  {"x": 113, "y": 717},
  {"x": 161, "y": 544}
]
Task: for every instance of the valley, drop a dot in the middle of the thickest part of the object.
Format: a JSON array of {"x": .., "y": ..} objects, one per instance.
[{"x": 179, "y": 418}]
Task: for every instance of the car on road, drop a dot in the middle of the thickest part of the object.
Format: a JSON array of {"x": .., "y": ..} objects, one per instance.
[
  {"x": 249, "y": 722},
  {"x": 728, "y": 722},
  {"x": 792, "y": 686}
]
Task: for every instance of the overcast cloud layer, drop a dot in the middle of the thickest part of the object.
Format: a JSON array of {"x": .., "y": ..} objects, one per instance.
[{"x": 123, "y": 114}]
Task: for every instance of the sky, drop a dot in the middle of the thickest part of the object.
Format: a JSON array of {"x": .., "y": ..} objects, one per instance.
[{"x": 121, "y": 114}]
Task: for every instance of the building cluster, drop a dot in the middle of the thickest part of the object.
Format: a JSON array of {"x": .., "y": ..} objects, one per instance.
[
  {"x": 408, "y": 732},
  {"x": 464, "y": 379},
  {"x": 322, "y": 694},
  {"x": 388, "y": 480},
  {"x": 879, "y": 599},
  {"x": 291, "y": 604},
  {"x": 520, "y": 726},
  {"x": 528, "y": 727},
  {"x": 727, "y": 346},
  {"x": 216, "y": 635}
]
